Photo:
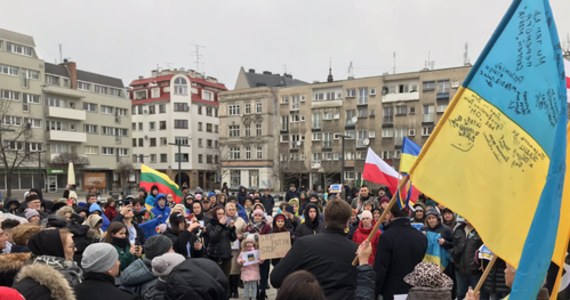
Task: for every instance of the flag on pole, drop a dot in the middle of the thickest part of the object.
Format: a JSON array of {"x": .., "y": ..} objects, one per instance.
[
  {"x": 567, "y": 69},
  {"x": 378, "y": 171},
  {"x": 497, "y": 156},
  {"x": 150, "y": 177},
  {"x": 410, "y": 152},
  {"x": 404, "y": 195}
]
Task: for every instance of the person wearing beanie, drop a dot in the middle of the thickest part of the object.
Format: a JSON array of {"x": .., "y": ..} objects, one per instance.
[
  {"x": 100, "y": 262},
  {"x": 449, "y": 218},
  {"x": 439, "y": 235},
  {"x": 138, "y": 277},
  {"x": 419, "y": 213},
  {"x": 363, "y": 231},
  {"x": 258, "y": 226},
  {"x": 183, "y": 236},
  {"x": 279, "y": 222},
  {"x": 162, "y": 266},
  {"x": 32, "y": 215}
]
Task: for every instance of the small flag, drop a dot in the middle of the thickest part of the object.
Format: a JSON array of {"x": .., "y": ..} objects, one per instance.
[
  {"x": 484, "y": 253},
  {"x": 410, "y": 152}
]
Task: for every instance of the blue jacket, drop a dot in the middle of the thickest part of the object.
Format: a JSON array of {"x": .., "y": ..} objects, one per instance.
[
  {"x": 96, "y": 207},
  {"x": 160, "y": 213}
]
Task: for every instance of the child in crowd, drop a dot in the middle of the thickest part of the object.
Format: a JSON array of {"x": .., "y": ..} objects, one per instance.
[{"x": 250, "y": 273}]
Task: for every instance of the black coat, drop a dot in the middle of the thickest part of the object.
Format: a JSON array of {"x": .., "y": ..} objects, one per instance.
[
  {"x": 220, "y": 238},
  {"x": 197, "y": 278},
  {"x": 328, "y": 255},
  {"x": 100, "y": 286},
  {"x": 268, "y": 202},
  {"x": 400, "y": 248},
  {"x": 463, "y": 251},
  {"x": 182, "y": 241}
]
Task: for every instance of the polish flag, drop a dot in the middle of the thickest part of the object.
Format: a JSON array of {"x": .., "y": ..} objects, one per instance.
[
  {"x": 567, "y": 69},
  {"x": 378, "y": 171}
]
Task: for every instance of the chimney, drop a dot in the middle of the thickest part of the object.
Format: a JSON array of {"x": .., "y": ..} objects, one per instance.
[
  {"x": 266, "y": 73},
  {"x": 72, "y": 71},
  {"x": 252, "y": 71}
]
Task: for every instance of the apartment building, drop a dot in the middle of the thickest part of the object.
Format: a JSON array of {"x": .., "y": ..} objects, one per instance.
[
  {"x": 315, "y": 122},
  {"x": 175, "y": 125},
  {"x": 68, "y": 115},
  {"x": 248, "y": 135}
]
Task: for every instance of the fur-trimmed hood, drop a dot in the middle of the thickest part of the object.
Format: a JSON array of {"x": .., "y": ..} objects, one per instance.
[
  {"x": 48, "y": 277},
  {"x": 13, "y": 261}
]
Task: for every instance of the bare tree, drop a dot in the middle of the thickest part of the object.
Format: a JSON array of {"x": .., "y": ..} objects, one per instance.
[
  {"x": 124, "y": 171},
  {"x": 293, "y": 170},
  {"x": 15, "y": 136}
]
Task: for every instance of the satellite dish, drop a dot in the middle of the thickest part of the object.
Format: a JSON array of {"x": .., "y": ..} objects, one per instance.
[
  {"x": 353, "y": 120},
  {"x": 366, "y": 142},
  {"x": 298, "y": 143}
]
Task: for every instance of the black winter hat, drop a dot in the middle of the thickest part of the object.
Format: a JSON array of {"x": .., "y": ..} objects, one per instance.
[
  {"x": 156, "y": 245},
  {"x": 46, "y": 242},
  {"x": 32, "y": 197}
]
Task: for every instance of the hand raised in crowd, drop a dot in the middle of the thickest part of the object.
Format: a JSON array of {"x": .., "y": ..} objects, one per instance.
[
  {"x": 441, "y": 241},
  {"x": 363, "y": 252},
  {"x": 193, "y": 225},
  {"x": 223, "y": 220}
]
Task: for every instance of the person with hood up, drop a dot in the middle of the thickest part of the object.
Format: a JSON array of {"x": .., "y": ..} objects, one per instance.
[
  {"x": 428, "y": 282},
  {"x": 96, "y": 209},
  {"x": 151, "y": 198},
  {"x": 101, "y": 265},
  {"x": 312, "y": 224},
  {"x": 267, "y": 200},
  {"x": 160, "y": 211},
  {"x": 138, "y": 277},
  {"x": 279, "y": 225},
  {"x": 292, "y": 193},
  {"x": 162, "y": 266},
  {"x": 242, "y": 193},
  {"x": 294, "y": 202},
  {"x": 183, "y": 236},
  {"x": 363, "y": 231},
  {"x": 52, "y": 249},
  {"x": 239, "y": 223},
  {"x": 267, "y": 216},
  {"x": 188, "y": 201},
  {"x": 418, "y": 215},
  {"x": 111, "y": 209},
  {"x": 11, "y": 206}
]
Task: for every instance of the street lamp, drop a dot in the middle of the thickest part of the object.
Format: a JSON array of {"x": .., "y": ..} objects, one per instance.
[
  {"x": 180, "y": 145},
  {"x": 40, "y": 168},
  {"x": 342, "y": 136}
]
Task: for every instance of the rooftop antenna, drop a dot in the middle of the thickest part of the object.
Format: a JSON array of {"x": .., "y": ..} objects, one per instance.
[
  {"x": 567, "y": 42},
  {"x": 60, "y": 53},
  {"x": 394, "y": 69},
  {"x": 284, "y": 69},
  {"x": 466, "y": 60},
  {"x": 330, "y": 77},
  {"x": 350, "y": 71},
  {"x": 198, "y": 61},
  {"x": 429, "y": 63}
]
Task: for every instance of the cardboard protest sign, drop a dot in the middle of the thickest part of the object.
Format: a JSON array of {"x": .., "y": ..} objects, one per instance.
[{"x": 275, "y": 245}]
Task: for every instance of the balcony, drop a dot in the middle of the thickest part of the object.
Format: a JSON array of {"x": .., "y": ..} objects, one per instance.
[
  {"x": 315, "y": 164},
  {"x": 66, "y": 113},
  {"x": 326, "y": 103},
  {"x": 67, "y": 136},
  {"x": 442, "y": 96},
  {"x": 393, "y": 97},
  {"x": 67, "y": 92}
]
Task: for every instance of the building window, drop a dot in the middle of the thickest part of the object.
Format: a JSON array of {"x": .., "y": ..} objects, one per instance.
[
  {"x": 10, "y": 95},
  {"x": 388, "y": 114},
  {"x": 234, "y": 130},
  {"x": 180, "y": 107},
  {"x": 429, "y": 85},
  {"x": 152, "y": 125},
  {"x": 90, "y": 128},
  {"x": 151, "y": 109},
  {"x": 235, "y": 177},
  {"x": 180, "y": 140},
  {"x": 401, "y": 110},
  {"x": 247, "y": 152},
  {"x": 363, "y": 112},
  {"x": 93, "y": 150},
  {"x": 108, "y": 151},
  {"x": 233, "y": 110},
  {"x": 234, "y": 153},
  {"x": 162, "y": 108},
  {"x": 181, "y": 124},
  {"x": 254, "y": 178},
  {"x": 140, "y": 125},
  {"x": 295, "y": 102},
  {"x": 258, "y": 130},
  {"x": 215, "y": 128},
  {"x": 200, "y": 126},
  {"x": 284, "y": 123},
  {"x": 134, "y": 143},
  {"x": 9, "y": 70},
  {"x": 429, "y": 113},
  {"x": 362, "y": 96},
  {"x": 180, "y": 86},
  {"x": 247, "y": 109},
  {"x": 426, "y": 130},
  {"x": 162, "y": 125},
  {"x": 152, "y": 158},
  {"x": 163, "y": 157},
  {"x": 200, "y": 160},
  {"x": 19, "y": 49},
  {"x": 387, "y": 132},
  {"x": 183, "y": 156},
  {"x": 200, "y": 144},
  {"x": 247, "y": 128},
  {"x": 34, "y": 123},
  {"x": 258, "y": 107},
  {"x": 209, "y": 143},
  {"x": 209, "y": 159},
  {"x": 163, "y": 141},
  {"x": 155, "y": 92},
  {"x": 350, "y": 93},
  {"x": 259, "y": 152},
  {"x": 199, "y": 109},
  {"x": 208, "y": 127},
  {"x": 207, "y": 95},
  {"x": 123, "y": 151},
  {"x": 139, "y": 95},
  {"x": 208, "y": 111},
  {"x": 152, "y": 142},
  {"x": 107, "y": 109}
]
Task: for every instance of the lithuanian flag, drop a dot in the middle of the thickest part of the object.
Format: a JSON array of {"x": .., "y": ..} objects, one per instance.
[{"x": 150, "y": 177}]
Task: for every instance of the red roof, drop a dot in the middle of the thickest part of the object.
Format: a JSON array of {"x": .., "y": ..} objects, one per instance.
[{"x": 169, "y": 76}]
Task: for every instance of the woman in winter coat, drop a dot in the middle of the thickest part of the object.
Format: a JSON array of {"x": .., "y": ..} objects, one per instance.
[
  {"x": 111, "y": 209},
  {"x": 183, "y": 236},
  {"x": 279, "y": 222},
  {"x": 221, "y": 232},
  {"x": 53, "y": 273},
  {"x": 313, "y": 223},
  {"x": 259, "y": 226},
  {"x": 116, "y": 235},
  {"x": 363, "y": 231},
  {"x": 239, "y": 223}
]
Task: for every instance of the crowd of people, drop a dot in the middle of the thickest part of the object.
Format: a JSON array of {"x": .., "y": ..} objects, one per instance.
[{"x": 147, "y": 246}]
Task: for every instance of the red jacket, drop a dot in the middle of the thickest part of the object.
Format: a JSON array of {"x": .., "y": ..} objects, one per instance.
[
  {"x": 111, "y": 213},
  {"x": 361, "y": 234}
]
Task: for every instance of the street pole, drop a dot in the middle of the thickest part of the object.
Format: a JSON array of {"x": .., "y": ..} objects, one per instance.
[
  {"x": 342, "y": 161},
  {"x": 177, "y": 143}
]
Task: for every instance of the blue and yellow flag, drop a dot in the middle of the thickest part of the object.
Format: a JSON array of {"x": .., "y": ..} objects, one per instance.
[
  {"x": 410, "y": 152},
  {"x": 497, "y": 156},
  {"x": 435, "y": 253}
]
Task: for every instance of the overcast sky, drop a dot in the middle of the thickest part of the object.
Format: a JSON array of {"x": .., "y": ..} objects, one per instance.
[{"x": 128, "y": 38}]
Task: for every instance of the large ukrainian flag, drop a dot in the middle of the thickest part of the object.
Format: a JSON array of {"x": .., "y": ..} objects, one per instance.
[{"x": 497, "y": 156}]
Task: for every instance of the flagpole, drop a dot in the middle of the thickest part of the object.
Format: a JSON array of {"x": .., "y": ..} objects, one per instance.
[
  {"x": 485, "y": 274},
  {"x": 403, "y": 182}
]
